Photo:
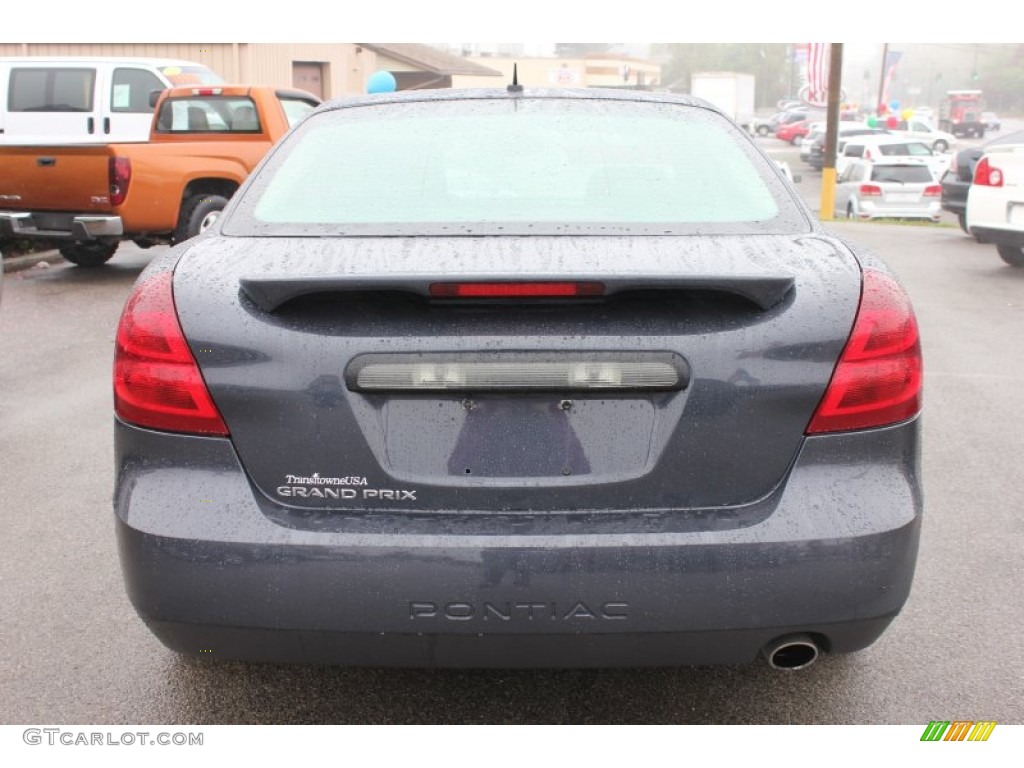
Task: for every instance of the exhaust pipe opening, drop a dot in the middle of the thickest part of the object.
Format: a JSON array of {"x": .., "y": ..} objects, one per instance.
[{"x": 792, "y": 652}]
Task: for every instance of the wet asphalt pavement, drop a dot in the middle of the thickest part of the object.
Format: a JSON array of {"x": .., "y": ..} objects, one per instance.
[{"x": 73, "y": 650}]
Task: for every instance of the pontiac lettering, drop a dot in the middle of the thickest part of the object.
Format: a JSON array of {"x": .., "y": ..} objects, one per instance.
[{"x": 517, "y": 611}]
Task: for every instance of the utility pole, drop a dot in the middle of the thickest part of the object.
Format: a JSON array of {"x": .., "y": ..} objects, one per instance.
[{"x": 828, "y": 171}]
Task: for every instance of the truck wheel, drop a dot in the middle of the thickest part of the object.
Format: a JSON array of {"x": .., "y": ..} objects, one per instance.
[
  {"x": 88, "y": 254},
  {"x": 763, "y": 130},
  {"x": 1011, "y": 254},
  {"x": 197, "y": 215},
  {"x": 940, "y": 146}
]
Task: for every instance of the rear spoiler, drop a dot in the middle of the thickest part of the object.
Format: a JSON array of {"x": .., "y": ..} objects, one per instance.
[{"x": 269, "y": 293}]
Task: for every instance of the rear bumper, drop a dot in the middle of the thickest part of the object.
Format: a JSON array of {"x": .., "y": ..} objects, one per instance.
[
  {"x": 1014, "y": 237},
  {"x": 870, "y": 210},
  {"x": 213, "y": 576},
  {"x": 67, "y": 226}
]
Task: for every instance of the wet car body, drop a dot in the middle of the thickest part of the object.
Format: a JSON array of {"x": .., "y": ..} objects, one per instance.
[{"x": 515, "y": 442}]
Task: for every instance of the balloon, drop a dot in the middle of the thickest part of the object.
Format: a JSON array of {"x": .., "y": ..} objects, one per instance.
[
  {"x": 892, "y": 121},
  {"x": 381, "y": 82},
  {"x": 906, "y": 114},
  {"x": 894, "y": 105},
  {"x": 872, "y": 122},
  {"x": 882, "y": 109}
]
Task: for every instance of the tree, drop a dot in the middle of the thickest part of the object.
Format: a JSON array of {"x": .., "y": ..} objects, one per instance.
[{"x": 1001, "y": 77}]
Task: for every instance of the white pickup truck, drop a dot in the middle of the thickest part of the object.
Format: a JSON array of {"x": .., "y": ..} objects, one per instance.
[{"x": 995, "y": 201}]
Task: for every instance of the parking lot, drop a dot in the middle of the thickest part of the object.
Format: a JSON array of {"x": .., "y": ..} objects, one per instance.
[
  {"x": 809, "y": 184},
  {"x": 74, "y": 651}
]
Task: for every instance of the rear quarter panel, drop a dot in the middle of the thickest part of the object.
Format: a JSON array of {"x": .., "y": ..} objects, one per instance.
[{"x": 162, "y": 171}]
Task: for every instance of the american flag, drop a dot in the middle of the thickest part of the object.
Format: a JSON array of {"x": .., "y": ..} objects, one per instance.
[
  {"x": 817, "y": 72},
  {"x": 892, "y": 58}
]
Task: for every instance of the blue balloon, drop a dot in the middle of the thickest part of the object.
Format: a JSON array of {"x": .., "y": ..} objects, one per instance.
[
  {"x": 894, "y": 105},
  {"x": 381, "y": 82}
]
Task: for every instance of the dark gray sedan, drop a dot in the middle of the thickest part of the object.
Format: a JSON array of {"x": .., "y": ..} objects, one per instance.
[{"x": 514, "y": 378}]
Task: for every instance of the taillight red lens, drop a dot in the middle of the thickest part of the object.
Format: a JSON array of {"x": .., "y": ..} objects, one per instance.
[
  {"x": 119, "y": 172},
  {"x": 933, "y": 190},
  {"x": 870, "y": 190},
  {"x": 986, "y": 175},
  {"x": 877, "y": 380},
  {"x": 532, "y": 290},
  {"x": 157, "y": 382}
]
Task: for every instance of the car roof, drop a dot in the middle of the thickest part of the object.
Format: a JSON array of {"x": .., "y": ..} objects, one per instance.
[
  {"x": 481, "y": 94},
  {"x": 464, "y": 94},
  {"x": 892, "y": 160},
  {"x": 884, "y": 139}
]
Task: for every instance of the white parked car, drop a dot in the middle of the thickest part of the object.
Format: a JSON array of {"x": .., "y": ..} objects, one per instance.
[
  {"x": 890, "y": 189},
  {"x": 880, "y": 147},
  {"x": 938, "y": 140},
  {"x": 995, "y": 201}
]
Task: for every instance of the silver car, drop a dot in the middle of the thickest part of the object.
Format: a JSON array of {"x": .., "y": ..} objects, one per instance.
[
  {"x": 890, "y": 189},
  {"x": 500, "y": 378}
]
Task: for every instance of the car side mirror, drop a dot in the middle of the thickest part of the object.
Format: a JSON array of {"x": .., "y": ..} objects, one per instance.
[{"x": 154, "y": 97}]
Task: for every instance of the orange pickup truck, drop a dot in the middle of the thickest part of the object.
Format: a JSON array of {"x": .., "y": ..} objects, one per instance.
[{"x": 204, "y": 142}]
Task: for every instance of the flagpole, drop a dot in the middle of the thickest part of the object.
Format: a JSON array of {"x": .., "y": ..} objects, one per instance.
[{"x": 881, "y": 79}]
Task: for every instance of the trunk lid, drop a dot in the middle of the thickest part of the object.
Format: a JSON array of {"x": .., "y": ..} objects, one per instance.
[{"x": 277, "y": 325}]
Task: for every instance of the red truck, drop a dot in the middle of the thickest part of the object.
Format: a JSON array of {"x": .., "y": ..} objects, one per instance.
[
  {"x": 204, "y": 141},
  {"x": 960, "y": 113}
]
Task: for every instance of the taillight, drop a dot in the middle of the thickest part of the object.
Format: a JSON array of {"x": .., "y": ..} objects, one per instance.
[
  {"x": 157, "y": 382},
  {"x": 877, "y": 380},
  {"x": 986, "y": 175},
  {"x": 207, "y": 91},
  {"x": 119, "y": 171},
  {"x": 933, "y": 190},
  {"x": 870, "y": 190},
  {"x": 505, "y": 290}
]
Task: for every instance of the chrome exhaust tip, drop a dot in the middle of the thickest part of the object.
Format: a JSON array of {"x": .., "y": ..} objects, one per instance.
[{"x": 791, "y": 652}]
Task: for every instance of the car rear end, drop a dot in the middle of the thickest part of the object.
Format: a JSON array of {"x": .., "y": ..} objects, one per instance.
[
  {"x": 899, "y": 190},
  {"x": 61, "y": 192},
  {"x": 495, "y": 379},
  {"x": 995, "y": 201}
]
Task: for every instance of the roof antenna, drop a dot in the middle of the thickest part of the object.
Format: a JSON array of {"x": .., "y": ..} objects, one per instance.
[{"x": 515, "y": 87}]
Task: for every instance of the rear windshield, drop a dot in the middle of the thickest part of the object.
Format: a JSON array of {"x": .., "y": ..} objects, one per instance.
[
  {"x": 516, "y": 166},
  {"x": 905, "y": 174},
  {"x": 914, "y": 148},
  {"x": 206, "y": 114}
]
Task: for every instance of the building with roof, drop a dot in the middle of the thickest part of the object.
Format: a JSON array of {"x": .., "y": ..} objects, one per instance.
[{"x": 325, "y": 69}]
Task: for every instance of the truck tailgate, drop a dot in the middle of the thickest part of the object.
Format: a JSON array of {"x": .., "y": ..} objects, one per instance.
[{"x": 71, "y": 178}]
